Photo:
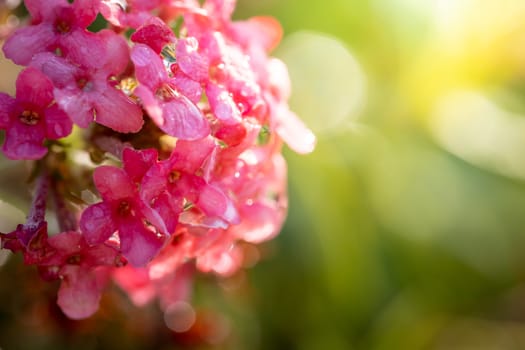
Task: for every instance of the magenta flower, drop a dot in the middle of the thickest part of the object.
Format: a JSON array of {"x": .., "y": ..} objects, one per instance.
[
  {"x": 200, "y": 181},
  {"x": 256, "y": 87},
  {"x": 31, "y": 117},
  {"x": 222, "y": 256},
  {"x": 139, "y": 228},
  {"x": 144, "y": 284},
  {"x": 263, "y": 205},
  {"x": 173, "y": 112},
  {"x": 84, "y": 271},
  {"x": 57, "y": 26},
  {"x": 183, "y": 61},
  {"x": 88, "y": 94},
  {"x": 179, "y": 183}
]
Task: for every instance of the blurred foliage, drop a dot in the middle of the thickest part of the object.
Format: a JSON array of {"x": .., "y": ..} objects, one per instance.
[{"x": 406, "y": 225}]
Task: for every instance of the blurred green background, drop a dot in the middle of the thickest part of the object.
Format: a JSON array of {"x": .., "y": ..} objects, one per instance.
[{"x": 406, "y": 224}]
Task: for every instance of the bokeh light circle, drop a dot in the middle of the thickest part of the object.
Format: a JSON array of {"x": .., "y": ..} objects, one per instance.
[{"x": 328, "y": 83}]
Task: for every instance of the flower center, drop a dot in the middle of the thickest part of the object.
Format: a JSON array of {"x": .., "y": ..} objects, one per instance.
[
  {"x": 174, "y": 176},
  {"x": 124, "y": 208},
  {"x": 84, "y": 84},
  {"x": 62, "y": 27},
  {"x": 29, "y": 117},
  {"x": 166, "y": 92},
  {"x": 74, "y": 259},
  {"x": 127, "y": 85}
]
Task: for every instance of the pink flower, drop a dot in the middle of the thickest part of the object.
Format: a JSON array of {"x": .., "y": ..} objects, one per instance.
[
  {"x": 222, "y": 104},
  {"x": 285, "y": 122},
  {"x": 87, "y": 94},
  {"x": 173, "y": 185},
  {"x": 172, "y": 111},
  {"x": 81, "y": 289},
  {"x": 84, "y": 271},
  {"x": 264, "y": 202},
  {"x": 139, "y": 228},
  {"x": 231, "y": 70},
  {"x": 193, "y": 63},
  {"x": 230, "y": 82},
  {"x": 31, "y": 117},
  {"x": 144, "y": 284},
  {"x": 198, "y": 178},
  {"x": 257, "y": 86},
  {"x": 57, "y": 25}
]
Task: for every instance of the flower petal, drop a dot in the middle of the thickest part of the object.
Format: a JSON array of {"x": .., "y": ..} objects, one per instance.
[
  {"x": 138, "y": 162},
  {"x": 7, "y": 106},
  {"x": 33, "y": 87},
  {"x": 154, "y": 33},
  {"x": 183, "y": 119},
  {"x": 190, "y": 61},
  {"x": 28, "y": 41},
  {"x": 136, "y": 283},
  {"x": 66, "y": 242},
  {"x": 59, "y": 70},
  {"x": 189, "y": 156},
  {"x": 293, "y": 131},
  {"x": 150, "y": 103},
  {"x": 58, "y": 124},
  {"x": 154, "y": 218},
  {"x": 260, "y": 222},
  {"x": 79, "y": 293},
  {"x": 222, "y": 104},
  {"x": 149, "y": 69},
  {"x": 168, "y": 208},
  {"x": 43, "y": 10},
  {"x": 103, "y": 254},
  {"x": 84, "y": 48},
  {"x": 85, "y": 11},
  {"x": 154, "y": 181},
  {"x": 113, "y": 183},
  {"x": 138, "y": 244},
  {"x": 265, "y": 31},
  {"x": 117, "y": 111},
  {"x": 117, "y": 52},
  {"x": 187, "y": 86},
  {"x": 96, "y": 223},
  {"x": 76, "y": 104},
  {"x": 24, "y": 141},
  {"x": 213, "y": 202},
  {"x": 112, "y": 12}
]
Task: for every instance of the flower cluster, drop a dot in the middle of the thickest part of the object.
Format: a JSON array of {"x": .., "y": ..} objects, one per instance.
[{"x": 183, "y": 115}]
